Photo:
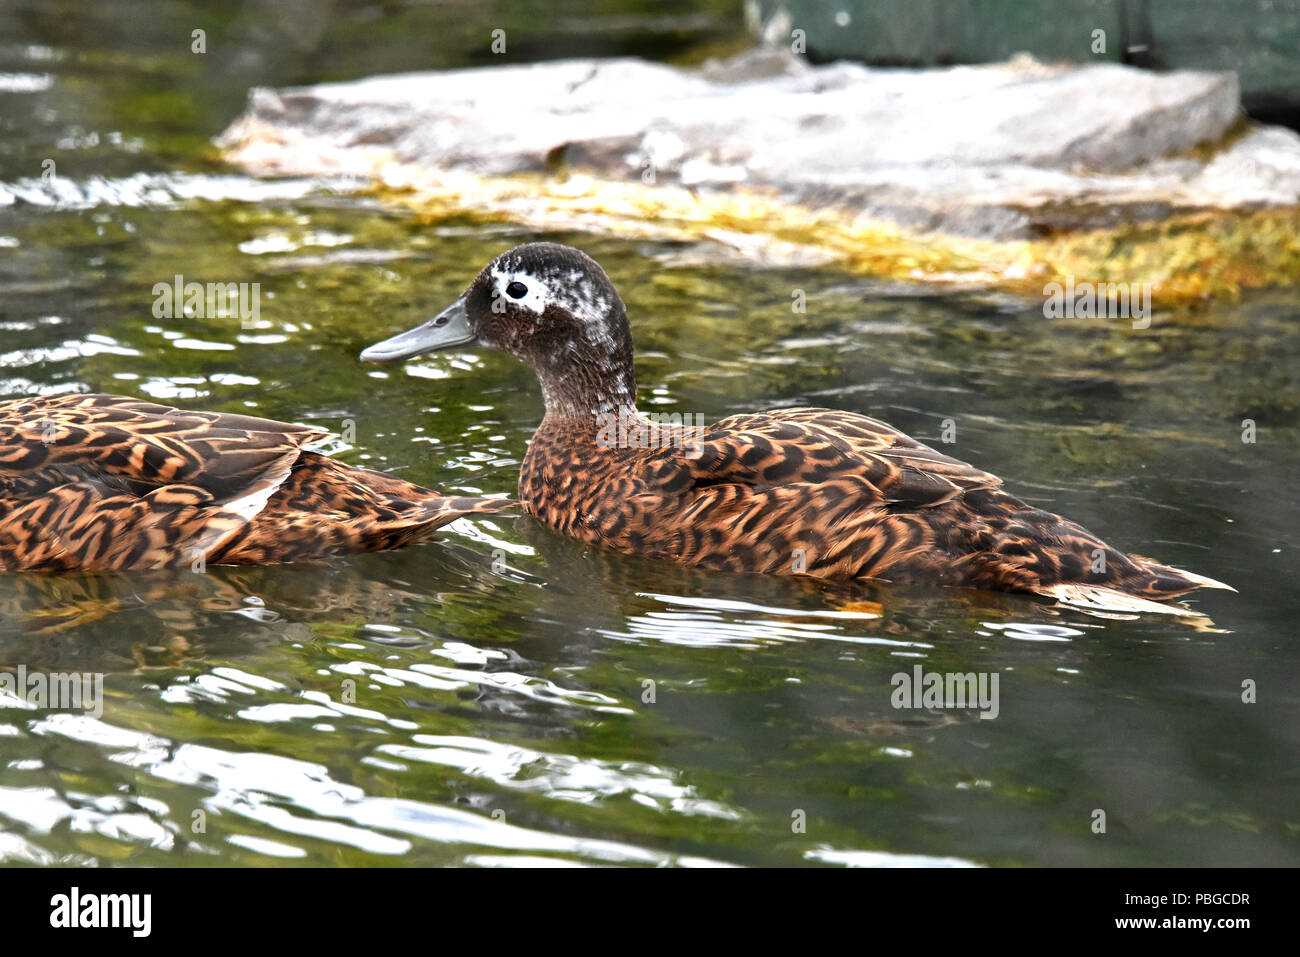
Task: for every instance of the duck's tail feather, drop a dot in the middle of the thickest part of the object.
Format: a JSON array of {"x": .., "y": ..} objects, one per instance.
[
  {"x": 421, "y": 522},
  {"x": 328, "y": 508},
  {"x": 1169, "y": 578},
  {"x": 1101, "y": 598}
]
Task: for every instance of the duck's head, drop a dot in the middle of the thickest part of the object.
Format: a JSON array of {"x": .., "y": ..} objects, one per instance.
[{"x": 551, "y": 306}]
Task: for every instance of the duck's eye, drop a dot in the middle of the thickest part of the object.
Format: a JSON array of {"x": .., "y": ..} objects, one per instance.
[{"x": 516, "y": 290}]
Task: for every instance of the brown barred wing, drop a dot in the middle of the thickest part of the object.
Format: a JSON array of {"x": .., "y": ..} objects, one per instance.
[
  {"x": 817, "y": 446},
  {"x": 100, "y": 482},
  {"x": 135, "y": 446}
]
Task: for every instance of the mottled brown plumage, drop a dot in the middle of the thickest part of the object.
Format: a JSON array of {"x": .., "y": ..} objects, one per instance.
[
  {"x": 100, "y": 482},
  {"x": 795, "y": 491}
]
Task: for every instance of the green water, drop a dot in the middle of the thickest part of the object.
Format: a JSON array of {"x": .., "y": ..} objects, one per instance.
[{"x": 504, "y": 696}]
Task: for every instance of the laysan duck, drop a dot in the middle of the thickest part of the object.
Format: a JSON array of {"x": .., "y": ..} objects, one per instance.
[
  {"x": 108, "y": 482},
  {"x": 793, "y": 491}
]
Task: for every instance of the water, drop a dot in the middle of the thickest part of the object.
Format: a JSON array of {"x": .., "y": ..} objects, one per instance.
[{"x": 503, "y": 696}]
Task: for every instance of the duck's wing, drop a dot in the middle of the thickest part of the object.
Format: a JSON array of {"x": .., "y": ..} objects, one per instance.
[
  {"x": 98, "y": 482},
  {"x": 864, "y": 499},
  {"x": 137, "y": 445},
  {"x": 817, "y": 447},
  {"x": 101, "y": 481}
]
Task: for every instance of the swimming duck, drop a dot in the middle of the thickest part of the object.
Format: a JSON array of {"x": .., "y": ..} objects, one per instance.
[
  {"x": 105, "y": 482},
  {"x": 793, "y": 491}
]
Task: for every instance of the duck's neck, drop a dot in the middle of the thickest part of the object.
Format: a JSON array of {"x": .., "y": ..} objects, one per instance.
[{"x": 583, "y": 388}]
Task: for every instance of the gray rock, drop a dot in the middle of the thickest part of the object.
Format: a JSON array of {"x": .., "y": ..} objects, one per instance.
[{"x": 996, "y": 151}]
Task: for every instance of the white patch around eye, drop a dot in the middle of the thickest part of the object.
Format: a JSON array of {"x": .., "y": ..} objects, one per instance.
[
  {"x": 574, "y": 294},
  {"x": 535, "y": 300}
]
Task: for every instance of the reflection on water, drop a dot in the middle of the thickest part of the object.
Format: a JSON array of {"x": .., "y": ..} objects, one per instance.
[
  {"x": 158, "y": 190},
  {"x": 503, "y": 696}
]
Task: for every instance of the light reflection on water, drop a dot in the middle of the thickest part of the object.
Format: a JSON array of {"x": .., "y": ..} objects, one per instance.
[
  {"x": 288, "y": 796},
  {"x": 158, "y": 191}
]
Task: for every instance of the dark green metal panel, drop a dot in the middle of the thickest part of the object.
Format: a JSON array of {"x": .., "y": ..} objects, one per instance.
[
  {"x": 1259, "y": 39},
  {"x": 928, "y": 32}
]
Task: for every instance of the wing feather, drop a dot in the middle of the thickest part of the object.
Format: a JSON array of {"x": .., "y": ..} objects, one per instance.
[
  {"x": 815, "y": 446},
  {"x": 97, "y": 482},
  {"x": 138, "y": 446}
]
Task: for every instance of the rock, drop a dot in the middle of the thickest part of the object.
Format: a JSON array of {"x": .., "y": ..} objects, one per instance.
[
  {"x": 998, "y": 152},
  {"x": 983, "y": 150}
]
